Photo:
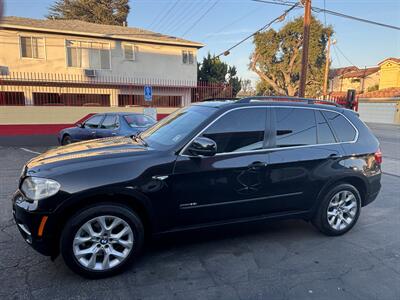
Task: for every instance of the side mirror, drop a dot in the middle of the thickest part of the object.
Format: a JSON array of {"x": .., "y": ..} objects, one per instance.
[
  {"x": 80, "y": 125},
  {"x": 203, "y": 146}
]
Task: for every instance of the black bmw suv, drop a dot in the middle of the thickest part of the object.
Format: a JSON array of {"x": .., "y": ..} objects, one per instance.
[{"x": 209, "y": 164}]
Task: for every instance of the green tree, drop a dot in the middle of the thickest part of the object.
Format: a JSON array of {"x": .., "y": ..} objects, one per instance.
[
  {"x": 213, "y": 70},
  {"x": 110, "y": 12},
  {"x": 234, "y": 81},
  {"x": 277, "y": 58}
]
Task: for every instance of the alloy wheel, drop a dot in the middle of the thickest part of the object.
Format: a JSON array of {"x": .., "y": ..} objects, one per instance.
[
  {"x": 342, "y": 210},
  {"x": 103, "y": 243}
]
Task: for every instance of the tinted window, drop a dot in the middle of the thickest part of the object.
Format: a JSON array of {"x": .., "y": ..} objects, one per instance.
[
  {"x": 239, "y": 130},
  {"x": 93, "y": 122},
  {"x": 110, "y": 122},
  {"x": 174, "y": 128},
  {"x": 139, "y": 120},
  {"x": 325, "y": 135},
  {"x": 344, "y": 131},
  {"x": 295, "y": 127}
]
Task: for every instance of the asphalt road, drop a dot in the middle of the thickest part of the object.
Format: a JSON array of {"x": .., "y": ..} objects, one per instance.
[{"x": 278, "y": 260}]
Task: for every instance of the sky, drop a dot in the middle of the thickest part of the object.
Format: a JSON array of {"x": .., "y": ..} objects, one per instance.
[{"x": 221, "y": 23}]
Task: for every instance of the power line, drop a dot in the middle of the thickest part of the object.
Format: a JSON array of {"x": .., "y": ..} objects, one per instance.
[
  {"x": 189, "y": 15},
  {"x": 345, "y": 57},
  {"x": 337, "y": 56},
  {"x": 333, "y": 13},
  {"x": 201, "y": 17},
  {"x": 226, "y": 52},
  {"x": 231, "y": 23},
  {"x": 157, "y": 18},
  {"x": 182, "y": 15},
  {"x": 166, "y": 14}
]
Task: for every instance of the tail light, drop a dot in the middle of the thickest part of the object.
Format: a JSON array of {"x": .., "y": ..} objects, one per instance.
[{"x": 378, "y": 156}]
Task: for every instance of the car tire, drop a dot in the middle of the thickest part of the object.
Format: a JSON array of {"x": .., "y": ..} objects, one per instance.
[
  {"x": 66, "y": 140},
  {"x": 107, "y": 253},
  {"x": 339, "y": 210}
]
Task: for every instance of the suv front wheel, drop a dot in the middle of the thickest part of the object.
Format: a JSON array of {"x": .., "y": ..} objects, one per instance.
[
  {"x": 101, "y": 240},
  {"x": 339, "y": 210}
]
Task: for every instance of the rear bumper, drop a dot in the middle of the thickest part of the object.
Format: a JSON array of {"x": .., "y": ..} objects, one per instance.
[
  {"x": 370, "y": 198},
  {"x": 374, "y": 187}
]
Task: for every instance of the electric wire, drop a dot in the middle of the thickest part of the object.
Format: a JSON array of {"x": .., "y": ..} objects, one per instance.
[
  {"x": 201, "y": 17},
  {"x": 259, "y": 30},
  {"x": 334, "y": 13},
  {"x": 166, "y": 14}
]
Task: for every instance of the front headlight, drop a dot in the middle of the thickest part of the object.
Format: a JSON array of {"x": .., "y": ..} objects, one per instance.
[{"x": 36, "y": 188}]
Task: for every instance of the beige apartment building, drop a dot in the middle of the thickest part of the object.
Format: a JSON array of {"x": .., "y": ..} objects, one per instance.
[{"x": 72, "y": 50}]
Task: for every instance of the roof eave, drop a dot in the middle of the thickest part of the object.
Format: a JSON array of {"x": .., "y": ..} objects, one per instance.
[
  {"x": 104, "y": 36},
  {"x": 389, "y": 59}
]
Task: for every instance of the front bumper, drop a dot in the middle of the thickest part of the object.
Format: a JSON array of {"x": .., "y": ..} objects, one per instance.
[{"x": 29, "y": 222}]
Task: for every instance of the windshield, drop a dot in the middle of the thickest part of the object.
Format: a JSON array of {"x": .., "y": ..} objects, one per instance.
[
  {"x": 174, "y": 128},
  {"x": 139, "y": 120}
]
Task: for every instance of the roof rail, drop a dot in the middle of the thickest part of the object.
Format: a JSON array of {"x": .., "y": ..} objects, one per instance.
[
  {"x": 221, "y": 99},
  {"x": 286, "y": 99}
]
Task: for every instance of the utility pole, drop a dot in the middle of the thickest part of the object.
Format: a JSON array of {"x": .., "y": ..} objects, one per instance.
[
  {"x": 306, "y": 38},
  {"x": 325, "y": 90},
  {"x": 363, "y": 81}
]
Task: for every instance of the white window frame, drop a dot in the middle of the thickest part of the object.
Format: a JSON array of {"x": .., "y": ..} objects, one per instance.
[
  {"x": 134, "y": 51},
  {"x": 32, "y": 36},
  {"x": 188, "y": 51},
  {"x": 86, "y": 41}
]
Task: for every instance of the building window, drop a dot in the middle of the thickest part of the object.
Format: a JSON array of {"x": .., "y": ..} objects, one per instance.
[
  {"x": 130, "y": 51},
  {"x": 88, "y": 55},
  {"x": 187, "y": 57},
  {"x": 32, "y": 47}
]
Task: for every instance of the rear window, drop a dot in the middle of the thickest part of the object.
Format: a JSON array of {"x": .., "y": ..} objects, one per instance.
[
  {"x": 139, "y": 120},
  {"x": 325, "y": 134},
  {"x": 295, "y": 127},
  {"x": 239, "y": 130},
  {"x": 109, "y": 122},
  {"x": 344, "y": 131}
]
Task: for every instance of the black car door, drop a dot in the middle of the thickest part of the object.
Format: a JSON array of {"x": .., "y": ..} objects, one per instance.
[
  {"x": 304, "y": 154},
  {"x": 232, "y": 183}
]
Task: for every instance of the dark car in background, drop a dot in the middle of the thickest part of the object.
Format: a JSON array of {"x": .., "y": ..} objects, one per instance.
[
  {"x": 210, "y": 164},
  {"x": 106, "y": 125}
]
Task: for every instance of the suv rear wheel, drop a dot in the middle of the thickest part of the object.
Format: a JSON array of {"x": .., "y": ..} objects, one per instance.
[
  {"x": 339, "y": 210},
  {"x": 101, "y": 240}
]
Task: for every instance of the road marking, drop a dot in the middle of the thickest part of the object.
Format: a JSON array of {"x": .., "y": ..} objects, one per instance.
[{"x": 30, "y": 151}]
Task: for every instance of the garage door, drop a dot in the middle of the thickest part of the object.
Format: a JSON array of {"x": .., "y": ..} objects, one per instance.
[{"x": 377, "y": 112}]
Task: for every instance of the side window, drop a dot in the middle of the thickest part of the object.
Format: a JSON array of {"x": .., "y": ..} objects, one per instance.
[
  {"x": 129, "y": 51},
  {"x": 187, "y": 57},
  {"x": 325, "y": 135},
  {"x": 94, "y": 121},
  {"x": 110, "y": 122},
  {"x": 344, "y": 131},
  {"x": 239, "y": 130},
  {"x": 32, "y": 47},
  {"x": 295, "y": 127}
]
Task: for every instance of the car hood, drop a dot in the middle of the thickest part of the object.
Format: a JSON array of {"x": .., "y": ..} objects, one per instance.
[{"x": 94, "y": 149}]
